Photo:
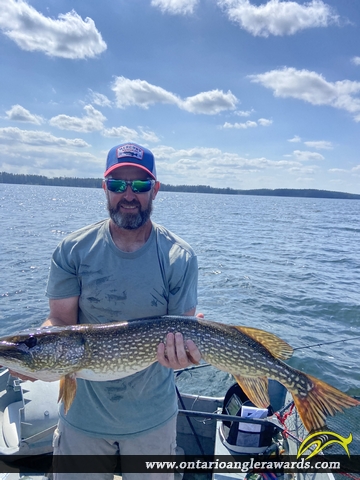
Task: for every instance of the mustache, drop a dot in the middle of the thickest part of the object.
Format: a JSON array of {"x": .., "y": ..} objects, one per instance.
[{"x": 125, "y": 203}]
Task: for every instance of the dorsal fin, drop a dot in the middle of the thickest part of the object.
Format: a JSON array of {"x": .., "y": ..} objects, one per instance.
[{"x": 274, "y": 344}]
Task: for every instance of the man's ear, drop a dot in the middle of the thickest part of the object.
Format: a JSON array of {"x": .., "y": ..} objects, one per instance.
[{"x": 156, "y": 189}]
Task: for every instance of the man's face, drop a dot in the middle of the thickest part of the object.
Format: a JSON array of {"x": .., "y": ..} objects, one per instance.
[{"x": 129, "y": 210}]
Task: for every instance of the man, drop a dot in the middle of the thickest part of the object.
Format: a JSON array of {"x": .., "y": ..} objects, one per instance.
[{"x": 123, "y": 268}]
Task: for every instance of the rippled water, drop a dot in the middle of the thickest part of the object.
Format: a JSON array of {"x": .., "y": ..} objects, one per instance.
[{"x": 288, "y": 265}]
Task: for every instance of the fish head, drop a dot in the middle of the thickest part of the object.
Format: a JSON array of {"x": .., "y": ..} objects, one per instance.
[{"x": 46, "y": 354}]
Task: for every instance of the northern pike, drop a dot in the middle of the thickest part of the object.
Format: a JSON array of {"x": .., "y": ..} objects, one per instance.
[{"x": 111, "y": 351}]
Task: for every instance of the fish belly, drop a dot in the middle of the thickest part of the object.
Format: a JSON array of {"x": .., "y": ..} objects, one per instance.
[{"x": 100, "y": 376}]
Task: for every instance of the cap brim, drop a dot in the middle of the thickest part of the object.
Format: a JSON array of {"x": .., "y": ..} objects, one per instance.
[{"x": 118, "y": 165}]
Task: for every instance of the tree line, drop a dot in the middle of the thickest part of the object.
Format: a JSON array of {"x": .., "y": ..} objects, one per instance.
[{"x": 18, "y": 178}]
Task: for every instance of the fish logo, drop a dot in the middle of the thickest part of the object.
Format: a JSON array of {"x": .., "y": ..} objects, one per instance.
[
  {"x": 130, "y": 150},
  {"x": 322, "y": 440}
]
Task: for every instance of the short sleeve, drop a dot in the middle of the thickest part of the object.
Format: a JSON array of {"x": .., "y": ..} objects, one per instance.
[
  {"x": 183, "y": 286},
  {"x": 179, "y": 267},
  {"x": 63, "y": 281}
]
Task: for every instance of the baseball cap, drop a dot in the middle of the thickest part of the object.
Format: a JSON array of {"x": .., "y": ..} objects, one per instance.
[{"x": 130, "y": 154}]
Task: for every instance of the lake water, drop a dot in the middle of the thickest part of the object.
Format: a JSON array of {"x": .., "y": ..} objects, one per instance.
[{"x": 287, "y": 265}]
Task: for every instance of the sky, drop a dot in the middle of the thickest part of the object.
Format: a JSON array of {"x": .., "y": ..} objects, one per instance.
[{"x": 243, "y": 94}]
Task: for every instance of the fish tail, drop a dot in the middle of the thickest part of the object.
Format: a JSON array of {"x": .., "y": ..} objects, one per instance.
[{"x": 320, "y": 401}]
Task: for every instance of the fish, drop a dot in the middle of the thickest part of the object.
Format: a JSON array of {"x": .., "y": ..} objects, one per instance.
[{"x": 110, "y": 351}]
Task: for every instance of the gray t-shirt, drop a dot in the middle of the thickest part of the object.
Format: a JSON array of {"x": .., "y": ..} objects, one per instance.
[{"x": 158, "y": 279}]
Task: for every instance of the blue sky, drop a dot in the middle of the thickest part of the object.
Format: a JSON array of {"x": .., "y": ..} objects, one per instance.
[{"x": 228, "y": 93}]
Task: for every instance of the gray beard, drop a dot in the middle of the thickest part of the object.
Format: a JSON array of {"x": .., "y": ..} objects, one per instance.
[{"x": 130, "y": 221}]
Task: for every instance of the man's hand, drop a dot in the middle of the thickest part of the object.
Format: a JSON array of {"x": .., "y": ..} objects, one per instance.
[{"x": 176, "y": 353}]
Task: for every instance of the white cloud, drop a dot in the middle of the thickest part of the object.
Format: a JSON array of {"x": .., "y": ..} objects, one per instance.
[
  {"x": 320, "y": 145},
  {"x": 123, "y": 133},
  {"x": 337, "y": 170},
  {"x": 244, "y": 113},
  {"x": 175, "y": 7},
  {"x": 91, "y": 122},
  {"x": 210, "y": 164},
  {"x": 295, "y": 139},
  {"x": 148, "y": 135},
  {"x": 278, "y": 17},
  {"x": 143, "y": 94},
  {"x": 16, "y": 136},
  {"x": 312, "y": 87},
  {"x": 99, "y": 99},
  {"x": 356, "y": 60},
  {"x": 248, "y": 124},
  {"x": 209, "y": 103},
  {"x": 305, "y": 180},
  {"x": 18, "y": 113},
  {"x": 302, "y": 155},
  {"x": 126, "y": 134},
  {"x": 50, "y": 160},
  {"x": 69, "y": 36},
  {"x": 264, "y": 122},
  {"x": 303, "y": 170}
]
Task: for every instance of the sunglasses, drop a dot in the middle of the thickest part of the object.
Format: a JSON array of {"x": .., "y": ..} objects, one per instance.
[{"x": 137, "y": 186}]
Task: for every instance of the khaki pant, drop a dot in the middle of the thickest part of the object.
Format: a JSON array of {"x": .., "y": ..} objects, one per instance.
[{"x": 68, "y": 441}]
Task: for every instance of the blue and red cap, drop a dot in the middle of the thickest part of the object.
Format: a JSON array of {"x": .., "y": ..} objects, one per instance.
[{"x": 130, "y": 154}]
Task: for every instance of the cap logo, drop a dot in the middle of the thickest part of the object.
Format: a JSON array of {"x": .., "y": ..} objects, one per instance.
[{"x": 130, "y": 150}]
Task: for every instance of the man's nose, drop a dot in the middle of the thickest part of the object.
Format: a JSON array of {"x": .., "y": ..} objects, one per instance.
[{"x": 129, "y": 193}]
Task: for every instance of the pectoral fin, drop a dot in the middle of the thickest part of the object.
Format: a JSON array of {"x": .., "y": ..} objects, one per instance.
[
  {"x": 256, "y": 389},
  {"x": 67, "y": 391}
]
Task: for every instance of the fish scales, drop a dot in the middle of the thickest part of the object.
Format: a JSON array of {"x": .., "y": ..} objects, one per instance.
[{"x": 115, "y": 350}]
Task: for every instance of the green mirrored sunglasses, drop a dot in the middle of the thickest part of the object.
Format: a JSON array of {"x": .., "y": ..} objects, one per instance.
[{"x": 120, "y": 186}]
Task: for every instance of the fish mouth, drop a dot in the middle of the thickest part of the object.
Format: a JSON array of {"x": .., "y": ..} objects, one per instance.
[{"x": 12, "y": 351}]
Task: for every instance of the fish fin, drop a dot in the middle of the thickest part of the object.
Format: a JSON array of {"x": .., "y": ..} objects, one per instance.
[
  {"x": 256, "y": 389},
  {"x": 322, "y": 400},
  {"x": 276, "y": 346},
  {"x": 67, "y": 391}
]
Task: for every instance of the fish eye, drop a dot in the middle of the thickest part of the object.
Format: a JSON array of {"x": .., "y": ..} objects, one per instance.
[{"x": 31, "y": 342}]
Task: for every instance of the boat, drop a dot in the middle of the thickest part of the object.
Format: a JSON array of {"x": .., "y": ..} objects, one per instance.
[{"x": 221, "y": 429}]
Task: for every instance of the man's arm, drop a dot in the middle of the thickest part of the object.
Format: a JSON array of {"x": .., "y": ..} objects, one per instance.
[
  {"x": 176, "y": 354},
  {"x": 63, "y": 311}
]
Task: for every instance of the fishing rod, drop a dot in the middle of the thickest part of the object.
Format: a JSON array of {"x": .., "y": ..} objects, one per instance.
[{"x": 327, "y": 343}]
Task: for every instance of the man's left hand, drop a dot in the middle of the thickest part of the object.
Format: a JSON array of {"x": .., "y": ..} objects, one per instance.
[{"x": 176, "y": 353}]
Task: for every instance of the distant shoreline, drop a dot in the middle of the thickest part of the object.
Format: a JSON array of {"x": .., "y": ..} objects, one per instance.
[{"x": 13, "y": 178}]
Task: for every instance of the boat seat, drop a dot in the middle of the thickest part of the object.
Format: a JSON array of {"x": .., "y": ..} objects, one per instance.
[{"x": 11, "y": 424}]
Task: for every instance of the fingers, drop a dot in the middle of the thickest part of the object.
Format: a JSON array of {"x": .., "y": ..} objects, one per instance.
[
  {"x": 177, "y": 354},
  {"x": 193, "y": 352}
]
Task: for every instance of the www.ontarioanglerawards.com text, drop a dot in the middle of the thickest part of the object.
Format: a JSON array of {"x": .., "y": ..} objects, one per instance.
[{"x": 252, "y": 464}]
